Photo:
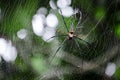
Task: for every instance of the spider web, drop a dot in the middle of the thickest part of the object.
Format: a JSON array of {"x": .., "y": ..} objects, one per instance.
[
  {"x": 71, "y": 63},
  {"x": 100, "y": 36}
]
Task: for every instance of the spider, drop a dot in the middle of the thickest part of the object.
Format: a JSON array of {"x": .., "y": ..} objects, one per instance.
[{"x": 70, "y": 35}]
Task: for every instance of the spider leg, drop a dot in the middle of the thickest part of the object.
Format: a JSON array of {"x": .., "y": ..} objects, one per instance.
[
  {"x": 64, "y": 21},
  {"x": 55, "y": 36},
  {"x": 71, "y": 46},
  {"x": 83, "y": 40},
  {"x": 89, "y": 45},
  {"x": 58, "y": 49},
  {"x": 78, "y": 45},
  {"x": 79, "y": 49},
  {"x": 72, "y": 27},
  {"x": 80, "y": 18}
]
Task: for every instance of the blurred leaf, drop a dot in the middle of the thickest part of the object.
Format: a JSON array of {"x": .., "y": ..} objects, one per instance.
[
  {"x": 99, "y": 13},
  {"x": 19, "y": 18},
  {"x": 39, "y": 64},
  {"x": 117, "y": 30},
  {"x": 85, "y": 4},
  {"x": 20, "y": 63},
  {"x": 118, "y": 15},
  {"x": 117, "y": 73}
]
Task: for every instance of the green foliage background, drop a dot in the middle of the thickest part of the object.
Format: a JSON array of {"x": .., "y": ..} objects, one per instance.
[{"x": 100, "y": 17}]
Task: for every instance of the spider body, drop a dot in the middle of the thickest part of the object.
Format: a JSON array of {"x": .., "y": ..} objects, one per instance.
[{"x": 71, "y": 35}]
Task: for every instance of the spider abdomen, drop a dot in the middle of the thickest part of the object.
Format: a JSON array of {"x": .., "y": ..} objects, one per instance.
[{"x": 71, "y": 35}]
